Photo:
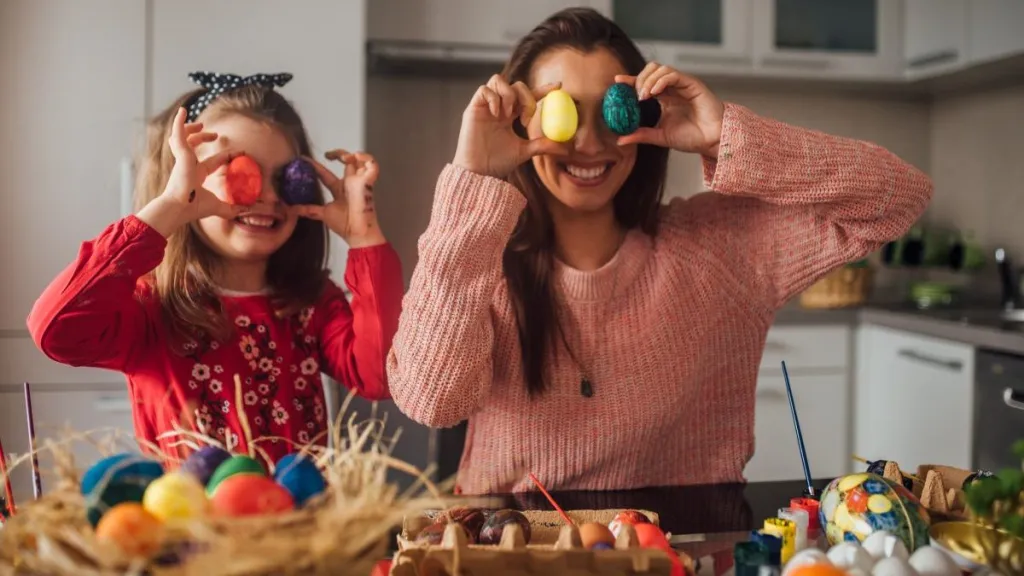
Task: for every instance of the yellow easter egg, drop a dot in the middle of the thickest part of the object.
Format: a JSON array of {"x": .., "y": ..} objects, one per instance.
[
  {"x": 175, "y": 496},
  {"x": 558, "y": 116}
]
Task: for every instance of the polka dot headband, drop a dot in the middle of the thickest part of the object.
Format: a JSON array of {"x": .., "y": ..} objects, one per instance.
[{"x": 217, "y": 84}]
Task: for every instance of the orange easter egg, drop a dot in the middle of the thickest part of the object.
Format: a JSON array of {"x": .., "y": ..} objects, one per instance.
[
  {"x": 593, "y": 533},
  {"x": 244, "y": 181},
  {"x": 137, "y": 532},
  {"x": 816, "y": 570}
]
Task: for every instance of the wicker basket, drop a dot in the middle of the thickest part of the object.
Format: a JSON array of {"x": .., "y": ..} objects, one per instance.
[{"x": 839, "y": 289}]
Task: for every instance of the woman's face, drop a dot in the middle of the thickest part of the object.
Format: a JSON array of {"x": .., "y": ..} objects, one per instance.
[{"x": 588, "y": 179}]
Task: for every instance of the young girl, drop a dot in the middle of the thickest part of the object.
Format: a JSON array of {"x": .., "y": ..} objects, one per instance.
[{"x": 193, "y": 290}]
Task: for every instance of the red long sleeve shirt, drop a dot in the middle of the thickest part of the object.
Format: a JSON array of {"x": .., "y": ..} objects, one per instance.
[{"x": 100, "y": 312}]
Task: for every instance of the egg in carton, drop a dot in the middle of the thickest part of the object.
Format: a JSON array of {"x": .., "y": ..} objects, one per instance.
[
  {"x": 512, "y": 556},
  {"x": 939, "y": 488}
]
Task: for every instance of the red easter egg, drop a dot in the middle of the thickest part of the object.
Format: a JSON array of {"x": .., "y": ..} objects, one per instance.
[
  {"x": 244, "y": 181},
  {"x": 250, "y": 495},
  {"x": 650, "y": 536}
]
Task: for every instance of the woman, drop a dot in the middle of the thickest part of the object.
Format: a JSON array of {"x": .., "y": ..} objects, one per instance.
[{"x": 589, "y": 334}]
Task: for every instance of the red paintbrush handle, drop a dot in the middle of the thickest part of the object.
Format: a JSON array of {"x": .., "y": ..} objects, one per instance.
[{"x": 551, "y": 500}]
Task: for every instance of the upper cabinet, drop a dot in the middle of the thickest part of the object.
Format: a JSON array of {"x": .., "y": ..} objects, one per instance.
[
  {"x": 849, "y": 39},
  {"x": 934, "y": 36},
  {"x": 996, "y": 29},
  {"x": 696, "y": 35}
]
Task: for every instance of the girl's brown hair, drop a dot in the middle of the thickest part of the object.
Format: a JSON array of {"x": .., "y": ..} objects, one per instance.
[
  {"x": 183, "y": 281},
  {"x": 529, "y": 258}
]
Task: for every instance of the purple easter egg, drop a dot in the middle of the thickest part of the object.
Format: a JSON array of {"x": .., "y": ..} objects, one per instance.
[
  {"x": 202, "y": 463},
  {"x": 299, "y": 183}
]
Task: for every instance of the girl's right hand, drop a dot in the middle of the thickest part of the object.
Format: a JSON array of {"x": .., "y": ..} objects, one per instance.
[
  {"x": 184, "y": 199},
  {"x": 487, "y": 143}
]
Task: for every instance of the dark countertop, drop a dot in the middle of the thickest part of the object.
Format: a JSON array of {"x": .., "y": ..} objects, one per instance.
[{"x": 981, "y": 328}]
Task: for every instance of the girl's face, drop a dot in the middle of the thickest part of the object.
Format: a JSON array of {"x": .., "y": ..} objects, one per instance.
[
  {"x": 265, "y": 226},
  {"x": 590, "y": 177}
]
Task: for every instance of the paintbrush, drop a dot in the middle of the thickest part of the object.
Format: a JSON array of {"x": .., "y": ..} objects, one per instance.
[
  {"x": 37, "y": 482},
  {"x": 551, "y": 500},
  {"x": 799, "y": 436}
]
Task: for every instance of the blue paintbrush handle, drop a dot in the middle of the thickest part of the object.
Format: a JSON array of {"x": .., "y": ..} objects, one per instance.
[{"x": 799, "y": 435}]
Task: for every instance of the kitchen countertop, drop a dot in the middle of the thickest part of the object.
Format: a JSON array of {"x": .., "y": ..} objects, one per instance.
[{"x": 981, "y": 328}]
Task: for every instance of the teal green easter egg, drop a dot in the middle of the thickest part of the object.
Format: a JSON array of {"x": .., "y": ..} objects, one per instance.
[
  {"x": 232, "y": 466},
  {"x": 621, "y": 109},
  {"x": 855, "y": 506},
  {"x": 116, "y": 479}
]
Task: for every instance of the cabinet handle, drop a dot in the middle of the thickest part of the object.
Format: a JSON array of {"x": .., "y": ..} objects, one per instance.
[
  {"x": 112, "y": 404},
  {"x": 1010, "y": 398},
  {"x": 782, "y": 62},
  {"x": 711, "y": 59},
  {"x": 774, "y": 346},
  {"x": 954, "y": 365},
  {"x": 127, "y": 185},
  {"x": 770, "y": 395},
  {"x": 933, "y": 58}
]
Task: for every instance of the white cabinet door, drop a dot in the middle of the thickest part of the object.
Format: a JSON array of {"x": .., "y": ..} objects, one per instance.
[
  {"x": 914, "y": 398},
  {"x": 996, "y": 29},
  {"x": 73, "y": 76},
  {"x": 935, "y": 36},
  {"x": 833, "y": 39},
  {"x": 823, "y": 408},
  {"x": 328, "y": 90}
]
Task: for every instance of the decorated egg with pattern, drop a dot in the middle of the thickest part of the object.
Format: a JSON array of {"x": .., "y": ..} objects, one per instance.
[{"x": 855, "y": 506}]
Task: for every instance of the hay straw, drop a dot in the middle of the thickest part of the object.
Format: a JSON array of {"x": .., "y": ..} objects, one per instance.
[{"x": 345, "y": 530}]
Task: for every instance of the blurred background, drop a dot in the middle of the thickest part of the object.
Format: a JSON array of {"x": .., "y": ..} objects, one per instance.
[{"x": 915, "y": 355}]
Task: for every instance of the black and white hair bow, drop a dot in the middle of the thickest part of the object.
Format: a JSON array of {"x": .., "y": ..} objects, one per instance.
[{"x": 217, "y": 84}]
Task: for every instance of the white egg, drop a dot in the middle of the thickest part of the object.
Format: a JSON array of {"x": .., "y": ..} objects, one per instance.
[
  {"x": 930, "y": 561},
  {"x": 893, "y": 567},
  {"x": 849, "y": 555},
  {"x": 882, "y": 544},
  {"x": 805, "y": 557},
  {"x": 857, "y": 572}
]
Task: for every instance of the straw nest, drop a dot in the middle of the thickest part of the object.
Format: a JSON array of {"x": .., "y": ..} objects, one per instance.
[{"x": 345, "y": 530}]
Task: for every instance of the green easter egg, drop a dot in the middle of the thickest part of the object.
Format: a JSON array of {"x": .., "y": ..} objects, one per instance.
[
  {"x": 232, "y": 466},
  {"x": 621, "y": 109}
]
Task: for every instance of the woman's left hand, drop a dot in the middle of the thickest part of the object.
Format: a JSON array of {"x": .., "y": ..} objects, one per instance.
[
  {"x": 351, "y": 213},
  {"x": 691, "y": 115}
]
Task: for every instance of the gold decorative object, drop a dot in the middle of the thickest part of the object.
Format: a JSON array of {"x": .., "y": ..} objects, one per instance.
[{"x": 981, "y": 546}]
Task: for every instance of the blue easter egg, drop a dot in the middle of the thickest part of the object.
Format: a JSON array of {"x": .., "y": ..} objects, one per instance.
[
  {"x": 116, "y": 479},
  {"x": 621, "y": 109},
  {"x": 299, "y": 183},
  {"x": 202, "y": 463},
  {"x": 300, "y": 477}
]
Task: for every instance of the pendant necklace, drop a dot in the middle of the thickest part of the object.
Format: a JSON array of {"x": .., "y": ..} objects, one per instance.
[{"x": 586, "y": 382}]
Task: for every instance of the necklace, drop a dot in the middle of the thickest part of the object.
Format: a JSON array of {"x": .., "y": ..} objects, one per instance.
[{"x": 586, "y": 380}]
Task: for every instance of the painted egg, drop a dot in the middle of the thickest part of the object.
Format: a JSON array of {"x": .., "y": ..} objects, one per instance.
[
  {"x": 602, "y": 546},
  {"x": 816, "y": 570},
  {"x": 251, "y": 495},
  {"x": 593, "y": 533},
  {"x": 244, "y": 181},
  {"x": 203, "y": 462},
  {"x": 621, "y": 109},
  {"x": 558, "y": 116},
  {"x": 471, "y": 519},
  {"x": 804, "y": 557},
  {"x": 651, "y": 536},
  {"x": 494, "y": 527},
  {"x": 631, "y": 517},
  {"x": 299, "y": 183},
  {"x": 175, "y": 496},
  {"x": 232, "y": 466},
  {"x": 300, "y": 477},
  {"x": 855, "y": 506},
  {"x": 877, "y": 467},
  {"x": 133, "y": 529},
  {"x": 432, "y": 534},
  {"x": 116, "y": 479}
]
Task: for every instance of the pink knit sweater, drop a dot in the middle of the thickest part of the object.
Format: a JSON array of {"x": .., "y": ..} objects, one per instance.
[{"x": 673, "y": 353}]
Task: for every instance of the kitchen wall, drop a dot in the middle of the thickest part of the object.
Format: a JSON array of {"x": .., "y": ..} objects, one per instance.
[{"x": 412, "y": 128}]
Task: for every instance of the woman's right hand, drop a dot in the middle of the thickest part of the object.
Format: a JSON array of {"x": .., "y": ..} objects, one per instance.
[
  {"x": 488, "y": 144},
  {"x": 184, "y": 198}
]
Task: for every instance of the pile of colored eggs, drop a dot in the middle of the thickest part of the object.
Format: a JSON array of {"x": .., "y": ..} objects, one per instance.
[{"x": 129, "y": 498}]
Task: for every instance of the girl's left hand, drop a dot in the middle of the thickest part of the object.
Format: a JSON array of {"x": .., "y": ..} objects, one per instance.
[
  {"x": 351, "y": 213},
  {"x": 691, "y": 115}
]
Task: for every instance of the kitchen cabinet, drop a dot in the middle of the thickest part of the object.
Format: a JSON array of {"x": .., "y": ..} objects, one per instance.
[
  {"x": 913, "y": 398},
  {"x": 934, "y": 37},
  {"x": 818, "y": 361},
  {"x": 696, "y": 35},
  {"x": 837, "y": 39},
  {"x": 330, "y": 98},
  {"x": 996, "y": 29}
]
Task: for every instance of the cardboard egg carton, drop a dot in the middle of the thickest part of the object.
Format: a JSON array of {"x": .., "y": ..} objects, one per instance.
[
  {"x": 938, "y": 487},
  {"x": 513, "y": 557}
]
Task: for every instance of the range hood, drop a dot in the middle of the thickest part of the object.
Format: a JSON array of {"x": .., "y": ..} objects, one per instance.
[{"x": 434, "y": 58}]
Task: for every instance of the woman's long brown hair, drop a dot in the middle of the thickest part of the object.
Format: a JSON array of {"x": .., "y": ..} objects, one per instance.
[
  {"x": 183, "y": 281},
  {"x": 529, "y": 258}
]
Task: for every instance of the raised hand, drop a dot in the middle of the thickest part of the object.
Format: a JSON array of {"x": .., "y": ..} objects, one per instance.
[
  {"x": 350, "y": 213},
  {"x": 691, "y": 115},
  {"x": 488, "y": 144}
]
